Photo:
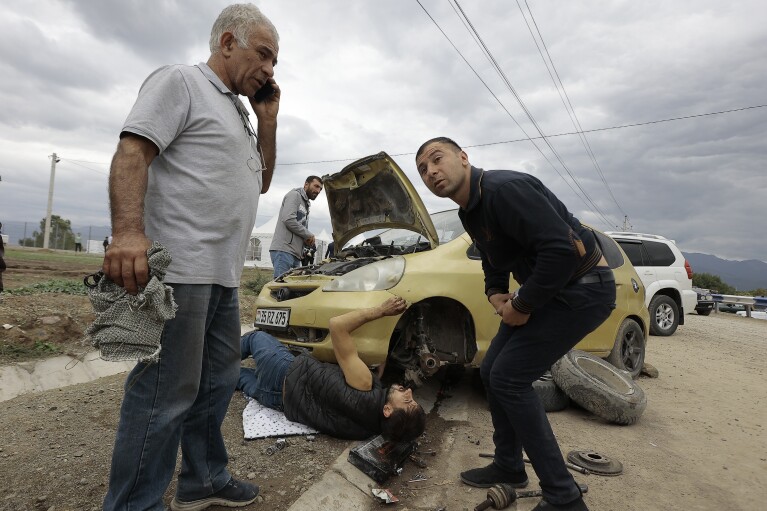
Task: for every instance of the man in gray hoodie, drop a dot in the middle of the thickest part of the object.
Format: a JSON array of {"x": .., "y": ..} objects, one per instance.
[{"x": 292, "y": 234}]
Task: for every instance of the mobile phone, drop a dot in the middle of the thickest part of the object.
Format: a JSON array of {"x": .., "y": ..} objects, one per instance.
[{"x": 264, "y": 92}]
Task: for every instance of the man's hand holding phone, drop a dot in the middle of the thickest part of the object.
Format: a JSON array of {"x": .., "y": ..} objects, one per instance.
[
  {"x": 265, "y": 92},
  {"x": 266, "y": 101}
]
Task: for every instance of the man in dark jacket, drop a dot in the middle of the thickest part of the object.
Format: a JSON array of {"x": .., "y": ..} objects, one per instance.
[
  {"x": 344, "y": 400},
  {"x": 567, "y": 290}
]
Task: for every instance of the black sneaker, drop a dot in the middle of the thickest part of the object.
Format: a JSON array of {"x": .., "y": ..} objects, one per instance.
[
  {"x": 576, "y": 505},
  {"x": 234, "y": 494},
  {"x": 493, "y": 474}
]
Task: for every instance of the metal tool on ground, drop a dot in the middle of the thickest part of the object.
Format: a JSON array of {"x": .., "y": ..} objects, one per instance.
[
  {"x": 595, "y": 463},
  {"x": 569, "y": 465},
  {"x": 420, "y": 462},
  {"x": 279, "y": 445},
  {"x": 501, "y": 496}
]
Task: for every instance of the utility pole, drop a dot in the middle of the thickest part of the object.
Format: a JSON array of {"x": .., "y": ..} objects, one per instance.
[
  {"x": 46, "y": 235},
  {"x": 626, "y": 224}
]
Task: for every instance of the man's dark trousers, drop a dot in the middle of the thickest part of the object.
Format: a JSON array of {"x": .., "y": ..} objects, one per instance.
[{"x": 520, "y": 355}]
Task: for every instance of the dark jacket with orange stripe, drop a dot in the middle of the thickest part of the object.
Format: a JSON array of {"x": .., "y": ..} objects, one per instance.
[{"x": 521, "y": 228}]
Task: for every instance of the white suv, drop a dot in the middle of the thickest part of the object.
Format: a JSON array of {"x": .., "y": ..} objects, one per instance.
[{"x": 666, "y": 275}]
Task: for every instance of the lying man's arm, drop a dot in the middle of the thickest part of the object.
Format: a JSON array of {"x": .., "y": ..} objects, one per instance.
[{"x": 355, "y": 371}]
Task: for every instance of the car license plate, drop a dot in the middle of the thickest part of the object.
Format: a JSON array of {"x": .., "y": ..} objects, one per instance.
[{"x": 273, "y": 317}]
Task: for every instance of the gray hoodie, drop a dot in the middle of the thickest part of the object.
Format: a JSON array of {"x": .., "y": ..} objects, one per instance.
[{"x": 292, "y": 224}]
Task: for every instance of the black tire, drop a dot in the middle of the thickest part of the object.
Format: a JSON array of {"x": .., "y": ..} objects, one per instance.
[
  {"x": 704, "y": 312},
  {"x": 664, "y": 315},
  {"x": 629, "y": 349},
  {"x": 599, "y": 387},
  {"x": 551, "y": 396}
]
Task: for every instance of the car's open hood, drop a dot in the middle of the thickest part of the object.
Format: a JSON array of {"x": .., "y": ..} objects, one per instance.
[{"x": 373, "y": 193}]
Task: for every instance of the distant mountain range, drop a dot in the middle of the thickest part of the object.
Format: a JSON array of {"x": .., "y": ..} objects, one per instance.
[{"x": 743, "y": 275}]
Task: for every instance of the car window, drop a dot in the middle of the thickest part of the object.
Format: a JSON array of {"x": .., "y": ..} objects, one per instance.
[
  {"x": 447, "y": 224},
  {"x": 610, "y": 250},
  {"x": 659, "y": 253},
  {"x": 633, "y": 250}
]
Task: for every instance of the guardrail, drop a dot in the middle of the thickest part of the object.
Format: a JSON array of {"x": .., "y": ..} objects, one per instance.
[{"x": 748, "y": 302}]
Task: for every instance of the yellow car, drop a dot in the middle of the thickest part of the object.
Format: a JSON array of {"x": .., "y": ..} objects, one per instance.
[{"x": 430, "y": 261}]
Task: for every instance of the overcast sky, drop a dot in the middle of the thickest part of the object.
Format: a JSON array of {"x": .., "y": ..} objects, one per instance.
[{"x": 368, "y": 76}]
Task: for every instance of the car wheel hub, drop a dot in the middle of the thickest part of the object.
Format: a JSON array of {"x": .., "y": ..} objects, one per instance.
[{"x": 664, "y": 316}]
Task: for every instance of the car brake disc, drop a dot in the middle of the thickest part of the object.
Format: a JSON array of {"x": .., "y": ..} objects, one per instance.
[{"x": 596, "y": 463}]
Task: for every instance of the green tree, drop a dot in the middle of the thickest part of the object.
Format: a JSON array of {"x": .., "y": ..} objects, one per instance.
[
  {"x": 61, "y": 235},
  {"x": 713, "y": 282}
]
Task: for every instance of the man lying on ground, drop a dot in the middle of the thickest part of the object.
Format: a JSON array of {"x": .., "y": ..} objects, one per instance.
[{"x": 344, "y": 400}]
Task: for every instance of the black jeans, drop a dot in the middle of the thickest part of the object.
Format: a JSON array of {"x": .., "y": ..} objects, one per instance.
[{"x": 520, "y": 355}]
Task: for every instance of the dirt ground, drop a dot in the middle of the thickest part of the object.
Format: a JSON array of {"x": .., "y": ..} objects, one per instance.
[
  {"x": 700, "y": 444},
  {"x": 47, "y": 324},
  {"x": 56, "y": 446}
]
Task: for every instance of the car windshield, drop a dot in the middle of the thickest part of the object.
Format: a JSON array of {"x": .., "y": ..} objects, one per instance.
[{"x": 448, "y": 227}]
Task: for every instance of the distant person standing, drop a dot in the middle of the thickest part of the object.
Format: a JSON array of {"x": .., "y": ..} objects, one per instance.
[
  {"x": 292, "y": 233},
  {"x": 78, "y": 243},
  {"x": 2, "y": 258},
  {"x": 106, "y": 243},
  {"x": 330, "y": 250}
]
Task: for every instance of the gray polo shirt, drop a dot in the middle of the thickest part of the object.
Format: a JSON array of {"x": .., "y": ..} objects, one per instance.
[{"x": 202, "y": 195}]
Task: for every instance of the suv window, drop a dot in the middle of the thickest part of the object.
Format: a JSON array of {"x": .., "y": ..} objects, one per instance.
[
  {"x": 633, "y": 251},
  {"x": 659, "y": 253}
]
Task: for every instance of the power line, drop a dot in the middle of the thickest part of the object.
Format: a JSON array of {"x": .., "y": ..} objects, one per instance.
[
  {"x": 493, "y": 94},
  {"x": 565, "y": 98},
  {"x": 85, "y": 166},
  {"x": 588, "y": 200},
  {"x": 513, "y": 141}
]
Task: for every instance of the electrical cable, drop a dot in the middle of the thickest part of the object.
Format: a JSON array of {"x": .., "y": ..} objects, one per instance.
[
  {"x": 558, "y": 84},
  {"x": 513, "y": 141},
  {"x": 594, "y": 207},
  {"x": 497, "y": 99}
]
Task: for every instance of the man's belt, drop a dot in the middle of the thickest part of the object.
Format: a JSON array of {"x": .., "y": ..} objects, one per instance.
[{"x": 596, "y": 276}]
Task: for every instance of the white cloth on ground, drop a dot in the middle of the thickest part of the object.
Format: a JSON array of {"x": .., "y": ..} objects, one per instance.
[{"x": 259, "y": 421}]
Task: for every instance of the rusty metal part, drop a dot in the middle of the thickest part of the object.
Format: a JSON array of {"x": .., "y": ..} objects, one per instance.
[
  {"x": 499, "y": 496},
  {"x": 502, "y": 495},
  {"x": 429, "y": 363},
  {"x": 418, "y": 461},
  {"x": 279, "y": 445},
  {"x": 595, "y": 463}
]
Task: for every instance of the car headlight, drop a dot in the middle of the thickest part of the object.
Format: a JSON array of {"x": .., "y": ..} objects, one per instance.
[{"x": 384, "y": 274}]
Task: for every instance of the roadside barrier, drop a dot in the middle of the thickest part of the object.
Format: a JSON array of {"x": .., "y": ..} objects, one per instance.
[{"x": 748, "y": 302}]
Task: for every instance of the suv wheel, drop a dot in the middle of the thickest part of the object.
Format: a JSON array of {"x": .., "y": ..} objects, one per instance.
[
  {"x": 664, "y": 315},
  {"x": 629, "y": 350}
]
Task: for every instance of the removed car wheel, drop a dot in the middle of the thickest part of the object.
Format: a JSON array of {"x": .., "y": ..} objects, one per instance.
[
  {"x": 628, "y": 351},
  {"x": 664, "y": 315},
  {"x": 599, "y": 387},
  {"x": 551, "y": 396}
]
